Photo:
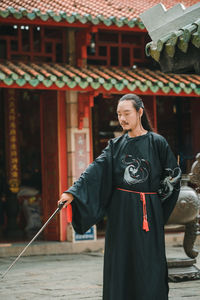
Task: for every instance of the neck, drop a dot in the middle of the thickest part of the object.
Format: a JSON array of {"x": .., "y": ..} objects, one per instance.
[{"x": 137, "y": 132}]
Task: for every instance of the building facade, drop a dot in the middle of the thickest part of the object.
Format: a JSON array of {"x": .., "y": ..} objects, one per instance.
[{"x": 63, "y": 68}]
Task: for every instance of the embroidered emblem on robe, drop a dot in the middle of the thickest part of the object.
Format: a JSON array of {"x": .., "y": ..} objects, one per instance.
[{"x": 137, "y": 170}]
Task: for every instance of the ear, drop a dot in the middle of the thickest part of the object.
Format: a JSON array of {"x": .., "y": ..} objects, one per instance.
[{"x": 141, "y": 112}]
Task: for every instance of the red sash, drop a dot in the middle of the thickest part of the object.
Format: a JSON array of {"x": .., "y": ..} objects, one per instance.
[{"x": 143, "y": 199}]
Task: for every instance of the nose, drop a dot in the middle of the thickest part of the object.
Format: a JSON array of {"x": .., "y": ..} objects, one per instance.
[{"x": 122, "y": 118}]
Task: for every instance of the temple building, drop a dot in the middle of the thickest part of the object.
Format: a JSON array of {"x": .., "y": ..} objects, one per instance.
[{"x": 63, "y": 67}]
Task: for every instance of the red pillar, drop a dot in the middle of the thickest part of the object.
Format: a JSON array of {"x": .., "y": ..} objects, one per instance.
[
  {"x": 62, "y": 160},
  {"x": 151, "y": 108},
  {"x": 155, "y": 113},
  {"x": 50, "y": 162},
  {"x": 54, "y": 161}
]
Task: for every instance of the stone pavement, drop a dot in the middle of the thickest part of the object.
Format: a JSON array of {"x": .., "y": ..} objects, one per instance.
[
  {"x": 72, "y": 277},
  {"x": 188, "y": 290}
]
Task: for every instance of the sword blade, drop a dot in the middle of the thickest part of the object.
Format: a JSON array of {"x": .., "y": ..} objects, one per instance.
[{"x": 18, "y": 257}]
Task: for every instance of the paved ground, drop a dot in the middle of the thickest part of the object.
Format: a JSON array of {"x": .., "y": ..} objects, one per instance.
[
  {"x": 71, "y": 277},
  {"x": 188, "y": 290}
]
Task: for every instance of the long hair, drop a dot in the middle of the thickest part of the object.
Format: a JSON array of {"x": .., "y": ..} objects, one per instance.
[{"x": 137, "y": 104}]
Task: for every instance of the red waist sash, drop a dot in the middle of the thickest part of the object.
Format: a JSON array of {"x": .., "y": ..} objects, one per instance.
[{"x": 143, "y": 199}]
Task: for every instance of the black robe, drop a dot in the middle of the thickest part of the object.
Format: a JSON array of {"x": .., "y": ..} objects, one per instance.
[{"x": 134, "y": 262}]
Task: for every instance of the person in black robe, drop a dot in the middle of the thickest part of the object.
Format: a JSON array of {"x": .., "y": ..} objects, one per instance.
[{"x": 135, "y": 182}]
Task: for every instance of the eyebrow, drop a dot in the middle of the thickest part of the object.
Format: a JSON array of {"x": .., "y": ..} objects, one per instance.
[{"x": 127, "y": 110}]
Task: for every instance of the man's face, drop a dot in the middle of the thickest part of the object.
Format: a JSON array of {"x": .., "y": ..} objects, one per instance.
[{"x": 128, "y": 117}]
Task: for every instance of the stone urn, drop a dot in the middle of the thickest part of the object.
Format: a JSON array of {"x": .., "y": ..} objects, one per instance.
[{"x": 186, "y": 213}]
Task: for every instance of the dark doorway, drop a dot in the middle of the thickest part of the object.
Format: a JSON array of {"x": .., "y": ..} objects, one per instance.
[
  {"x": 20, "y": 209},
  {"x": 29, "y": 138},
  {"x": 178, "y": 122}
]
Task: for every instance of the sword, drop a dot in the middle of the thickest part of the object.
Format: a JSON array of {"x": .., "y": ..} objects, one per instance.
[{"x": 60, "y": 206}]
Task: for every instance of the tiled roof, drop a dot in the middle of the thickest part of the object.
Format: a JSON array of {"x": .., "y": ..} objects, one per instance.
[
  {"x": 181, "y": 39},
  {"x": 109, "y": 12},
  {"x": 56, "y": 76}
]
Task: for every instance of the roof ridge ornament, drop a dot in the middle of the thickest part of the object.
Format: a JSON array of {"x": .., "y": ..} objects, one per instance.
[{"x": 159, "y": 21}]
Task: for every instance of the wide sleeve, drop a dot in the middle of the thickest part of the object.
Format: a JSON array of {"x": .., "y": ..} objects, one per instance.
[
  {"x": 92, "y": 192},
  {"x": 171, "y": 176}
]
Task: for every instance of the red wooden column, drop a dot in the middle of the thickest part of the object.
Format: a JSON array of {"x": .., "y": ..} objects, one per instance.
[
  {"x": 62, "y": 160},
  {"x": 151, "y": 108},
  {"x": 85, "y": 102},
  {"x": 54, "y": 161},
  {"x": 155, "y": 126},
  {"x": 50, "y": 162}
]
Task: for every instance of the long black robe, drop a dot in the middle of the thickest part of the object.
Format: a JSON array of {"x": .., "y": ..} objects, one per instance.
[{"x": 134, "y": 261}]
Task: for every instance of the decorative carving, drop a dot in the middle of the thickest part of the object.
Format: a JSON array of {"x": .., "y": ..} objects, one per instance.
[
  {"x": 80, "y": 153},
  {"x": 12, "y": 150},
  {"x": 186, "y": 209},
  {"x": 195, "y": 172}
]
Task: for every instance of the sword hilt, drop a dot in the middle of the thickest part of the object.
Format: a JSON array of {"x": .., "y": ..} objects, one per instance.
[{"x": 61, "y": 204}]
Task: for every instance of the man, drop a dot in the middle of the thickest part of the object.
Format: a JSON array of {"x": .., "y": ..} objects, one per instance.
[{"x": 123, "y": 183}]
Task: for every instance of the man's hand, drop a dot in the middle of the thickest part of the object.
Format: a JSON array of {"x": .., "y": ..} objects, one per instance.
[{"x": 66, "y": 198}]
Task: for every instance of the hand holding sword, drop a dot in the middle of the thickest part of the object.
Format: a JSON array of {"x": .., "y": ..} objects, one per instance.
[{"x": 65, "y": 198}]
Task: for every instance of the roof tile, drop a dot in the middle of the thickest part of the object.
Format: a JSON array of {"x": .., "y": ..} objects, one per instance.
[
  {"x": 66, "y": 76},
  {"x": 83, "y": 10}
]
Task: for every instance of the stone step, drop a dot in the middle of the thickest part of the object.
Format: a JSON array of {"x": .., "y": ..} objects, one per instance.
[{"x": 47, "y": 248}]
